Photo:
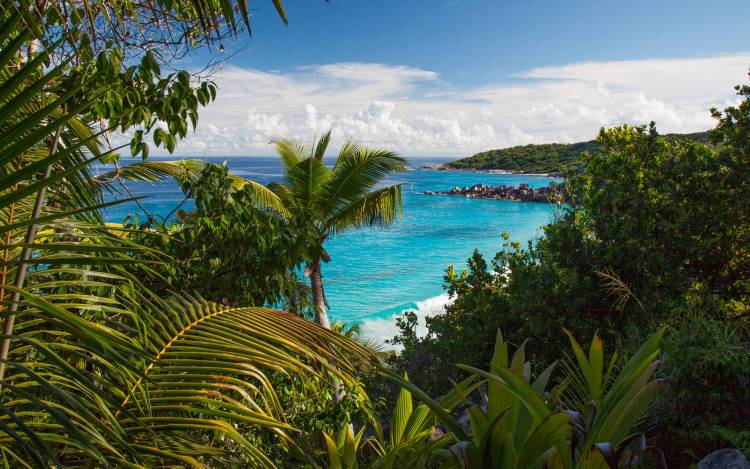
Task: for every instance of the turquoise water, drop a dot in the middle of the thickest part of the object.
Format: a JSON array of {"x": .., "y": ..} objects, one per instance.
[{"x": 377, "y": 273}]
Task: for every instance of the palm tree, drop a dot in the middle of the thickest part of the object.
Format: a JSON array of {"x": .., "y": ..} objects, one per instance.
[
  {"x": 331, "y": 200},
  {"x": 95, "y": 370}
]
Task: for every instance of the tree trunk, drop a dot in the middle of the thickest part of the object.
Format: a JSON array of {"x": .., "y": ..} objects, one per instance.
[
  {"x": 321, "y": 315},
  {"x": 24, "y": 263},
  {"x": 319, "y": 299}
]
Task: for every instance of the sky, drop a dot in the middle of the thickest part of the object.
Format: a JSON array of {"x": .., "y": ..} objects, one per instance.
[{"x": 453, "y": 77}]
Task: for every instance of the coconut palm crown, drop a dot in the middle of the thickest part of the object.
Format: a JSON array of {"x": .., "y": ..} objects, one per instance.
[{"x": 348, "y": 195}]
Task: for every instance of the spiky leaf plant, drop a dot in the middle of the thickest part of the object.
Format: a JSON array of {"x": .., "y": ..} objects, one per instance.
[
  {"x": 609, "y": 403},
  {"x": 592, "y": 419}
]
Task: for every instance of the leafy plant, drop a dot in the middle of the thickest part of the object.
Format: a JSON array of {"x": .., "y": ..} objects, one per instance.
[
  {"x": 591, "y": 419},
  {"x": 517, "y": 425},
  {"x": 96, "y": 369},
  {"x": 342, "y": 452},
  {"x": 229, "y": 248},
  {"x": 332, "y": 200},
  {"x": 413, "y": 438},
  {"x": 607, "y": 405}
]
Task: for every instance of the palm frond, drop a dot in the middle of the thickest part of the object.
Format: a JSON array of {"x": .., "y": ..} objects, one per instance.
[
  {"x": 210, "y": 366},
  {"x": 354, "y": 332},
  {"x": 377, "y": 208},
  {"x": 322, "y": 145},
  {"x": 291, "y": 152},
  {"x": 305, "y": 182},
  {"x": 150, "y": 171},
  {"x": 357, "y": 171},
  {"x": 262, "y": 196}
]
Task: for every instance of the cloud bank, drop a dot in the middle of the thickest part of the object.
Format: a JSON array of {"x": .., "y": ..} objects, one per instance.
[{"x": 415, "y": 112}]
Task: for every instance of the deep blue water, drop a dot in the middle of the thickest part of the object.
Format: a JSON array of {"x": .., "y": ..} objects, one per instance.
[{"x": 377, "y": 273}]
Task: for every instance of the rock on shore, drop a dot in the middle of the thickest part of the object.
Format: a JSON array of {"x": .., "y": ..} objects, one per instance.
[
  {"x": 435, "y": 167},
  {"x": 554, "y": 193}
]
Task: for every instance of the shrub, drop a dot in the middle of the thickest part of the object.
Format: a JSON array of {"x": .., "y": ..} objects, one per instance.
[{"x": 656, "y": 234}]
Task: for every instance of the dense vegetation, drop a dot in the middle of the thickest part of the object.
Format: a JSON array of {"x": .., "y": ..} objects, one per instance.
[
  {"x": 546, "y": 158},
  {"x": 97, "y": 369},
  {"x": 656, "y": 235},
  {"x": 147, "y": 344},
  {"x": 227, "y": 249}
]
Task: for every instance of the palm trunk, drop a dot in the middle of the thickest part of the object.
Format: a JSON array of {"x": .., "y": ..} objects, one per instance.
[
  {"x": 321, "y": 315},
  {"x": 319, "y": 299},
  {"x": 24, "y": 264}
]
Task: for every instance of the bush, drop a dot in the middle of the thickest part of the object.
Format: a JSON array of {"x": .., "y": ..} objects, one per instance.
[
  {"x": 708, "y": 360},
  {"x": 228, "y": 250},
  {"x": 656, "y": 234}
]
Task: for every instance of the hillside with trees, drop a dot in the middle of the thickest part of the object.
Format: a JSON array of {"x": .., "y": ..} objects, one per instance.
[{"x": 546, "y": 158}]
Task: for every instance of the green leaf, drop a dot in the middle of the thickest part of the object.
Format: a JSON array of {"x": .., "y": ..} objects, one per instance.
[{"x": 401, "y": 415}]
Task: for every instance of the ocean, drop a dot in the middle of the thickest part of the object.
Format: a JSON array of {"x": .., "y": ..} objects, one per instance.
[{"x": 376, "y": 274}]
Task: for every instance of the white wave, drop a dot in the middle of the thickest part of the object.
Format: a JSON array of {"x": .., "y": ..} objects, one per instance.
[{"x": 382, "y": 329}]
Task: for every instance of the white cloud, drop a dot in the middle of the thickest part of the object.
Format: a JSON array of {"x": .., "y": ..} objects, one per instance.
[{"x": 415, "y": 112}]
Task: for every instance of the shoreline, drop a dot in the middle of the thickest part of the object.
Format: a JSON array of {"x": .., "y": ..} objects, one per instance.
[
  {"x": 552, "y": 193},
  {"x": 381, "y": 326},
  {"x": 505, "y": 171},
  {"x": 443, "y": 167}
]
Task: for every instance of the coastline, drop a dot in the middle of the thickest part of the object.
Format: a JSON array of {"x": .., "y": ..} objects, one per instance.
[
  {"x": 552, "y": 193},
  {"x": 505, "y": 171},
  {"x": 443, "y": 167},
  {"x": 382, "y": 327}
]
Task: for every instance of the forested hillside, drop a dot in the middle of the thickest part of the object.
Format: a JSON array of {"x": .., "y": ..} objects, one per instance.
[{"x": 545, "y": 158}]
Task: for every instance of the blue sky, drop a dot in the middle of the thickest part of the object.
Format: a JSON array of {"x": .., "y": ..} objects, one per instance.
[
  {"x": 430, "y": 77},
  {"x": 475, "y": 41}
]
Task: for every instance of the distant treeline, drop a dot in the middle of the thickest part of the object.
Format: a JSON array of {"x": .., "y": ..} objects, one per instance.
[{"x": 545, "y": 158}]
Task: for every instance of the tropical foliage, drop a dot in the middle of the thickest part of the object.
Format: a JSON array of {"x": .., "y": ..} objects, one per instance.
[
  {"x": 228, "y": 249},
  {"x": 516, "y": 424},
  {"x": 97, "y": 370},
  {"x": 593, "y": 417},
  {"x": 143, "y": 344},
  {"x": 657, "y": 234},
  {"x": 332, "y": 200},
  {"x": 412, "y": 437},
  {"x": 560, "y": 158}
]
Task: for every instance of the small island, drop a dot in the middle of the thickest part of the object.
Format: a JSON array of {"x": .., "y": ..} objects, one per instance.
[{"x": 553, "y": 193}]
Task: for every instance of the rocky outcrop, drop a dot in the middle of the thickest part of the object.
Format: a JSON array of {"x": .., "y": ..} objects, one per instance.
[
  {"x": 725, "y": 459},
  {"x": 435, "y": 167},
  {"x": 523, "y": 193}
]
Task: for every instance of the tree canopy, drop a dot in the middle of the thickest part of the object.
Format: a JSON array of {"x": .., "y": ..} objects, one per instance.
[
  {"x": 558, "y": 158},
  {"x": 656, "y": 234}
]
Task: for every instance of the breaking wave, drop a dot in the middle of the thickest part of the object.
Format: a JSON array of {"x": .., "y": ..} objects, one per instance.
[{"x": 384, "y": 327}]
